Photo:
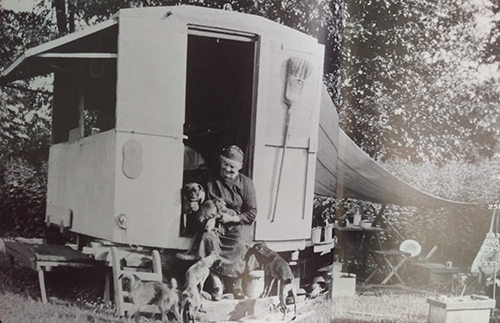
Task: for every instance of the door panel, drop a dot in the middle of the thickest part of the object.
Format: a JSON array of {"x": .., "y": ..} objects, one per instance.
[{"x": 291, "y": 218}]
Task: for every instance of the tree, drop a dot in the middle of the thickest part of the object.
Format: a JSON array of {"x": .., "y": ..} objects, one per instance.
[{"x": 413, "y": 83}]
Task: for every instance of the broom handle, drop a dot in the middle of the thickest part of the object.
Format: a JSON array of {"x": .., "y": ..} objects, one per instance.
[{"x": 285, "y": 142}]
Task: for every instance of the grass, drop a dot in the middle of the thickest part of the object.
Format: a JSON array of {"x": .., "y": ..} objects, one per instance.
[
  {"x": 75, "y": 296},
  {"x": 389, "y": 308}
]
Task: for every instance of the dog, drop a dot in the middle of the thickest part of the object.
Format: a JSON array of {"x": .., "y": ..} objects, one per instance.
[
  {"x": 196, "y": 276},
  {"x": 147, "y": 293},
  {"x": 209, "y": 214},
  {"x": 275, "y": 268},
  {"x": 193, "y": 195}
]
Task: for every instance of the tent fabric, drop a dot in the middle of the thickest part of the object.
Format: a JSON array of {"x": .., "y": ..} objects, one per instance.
[
  {"x": 326, "y": 158},
  {"x": 358, "y": 175}
]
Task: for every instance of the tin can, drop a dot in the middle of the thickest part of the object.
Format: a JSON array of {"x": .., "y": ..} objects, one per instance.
[{"x": 448, "y": 264}]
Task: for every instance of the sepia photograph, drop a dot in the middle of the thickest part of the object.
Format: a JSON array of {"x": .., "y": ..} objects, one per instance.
[{"x": 250, "y": 161}]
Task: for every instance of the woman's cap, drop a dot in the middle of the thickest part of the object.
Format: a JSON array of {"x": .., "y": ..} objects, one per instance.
[{"x": 234, "y": 153}]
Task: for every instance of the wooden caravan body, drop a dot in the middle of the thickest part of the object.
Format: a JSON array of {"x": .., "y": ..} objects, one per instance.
[{"x": 126, "y": 93}]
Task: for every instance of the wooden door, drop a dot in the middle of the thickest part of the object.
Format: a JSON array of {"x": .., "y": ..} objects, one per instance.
[{"x": 286, "y": 213}]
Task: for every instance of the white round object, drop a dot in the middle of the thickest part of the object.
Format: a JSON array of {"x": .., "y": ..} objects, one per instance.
[
  {"x": 365, "y": 225},
  {"x": 410, "y": 246}
]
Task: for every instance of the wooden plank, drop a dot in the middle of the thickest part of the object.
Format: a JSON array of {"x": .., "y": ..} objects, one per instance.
[{"x": 78, "y": 55}]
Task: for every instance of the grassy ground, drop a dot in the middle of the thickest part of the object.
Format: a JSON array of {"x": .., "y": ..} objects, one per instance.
[{"x": 389, "y": 308}]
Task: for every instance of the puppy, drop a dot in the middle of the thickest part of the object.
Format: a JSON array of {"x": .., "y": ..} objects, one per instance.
[
  {"x": 147, "y": 293},
  {"x": 209, "y": 214},
  {"x": 275, "y": 268},
  {"x": 196, "y": 276}
]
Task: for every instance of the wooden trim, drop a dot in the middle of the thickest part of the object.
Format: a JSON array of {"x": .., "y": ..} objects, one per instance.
[
  {"x": 77, "y": 55},
  {"x": 199, "y": 30}
]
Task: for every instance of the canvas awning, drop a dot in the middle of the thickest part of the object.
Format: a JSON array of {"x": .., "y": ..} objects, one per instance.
[{"x": 354, "y": 174}]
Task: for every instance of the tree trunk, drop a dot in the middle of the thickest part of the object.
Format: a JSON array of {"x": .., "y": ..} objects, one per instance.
[{"x": 62, "y": 21}]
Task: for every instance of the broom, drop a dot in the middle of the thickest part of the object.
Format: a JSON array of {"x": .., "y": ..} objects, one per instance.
[{"x": 298, "y": 71}]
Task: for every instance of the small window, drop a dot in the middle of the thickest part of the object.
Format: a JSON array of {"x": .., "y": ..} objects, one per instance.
[{"x": 84, "y": 99}]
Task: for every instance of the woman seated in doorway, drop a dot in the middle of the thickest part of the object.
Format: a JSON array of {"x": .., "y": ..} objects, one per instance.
[{"x": 233, "y": 241}]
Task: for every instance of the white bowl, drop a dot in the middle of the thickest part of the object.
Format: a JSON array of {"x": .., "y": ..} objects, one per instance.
[{"x": 365, "y": 225}]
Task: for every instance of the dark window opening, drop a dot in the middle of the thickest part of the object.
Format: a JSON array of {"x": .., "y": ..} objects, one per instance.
[{"x": 84, "y": 99}]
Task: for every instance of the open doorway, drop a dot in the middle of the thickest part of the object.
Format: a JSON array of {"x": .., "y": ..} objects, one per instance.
[{"x": 219, "y": 95}]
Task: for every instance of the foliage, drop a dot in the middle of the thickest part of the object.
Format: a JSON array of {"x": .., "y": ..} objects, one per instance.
[
  {"x": 414, "y": 85},
  {"x": 24, "y": 128},
  {"x": 23, "y": 189}
]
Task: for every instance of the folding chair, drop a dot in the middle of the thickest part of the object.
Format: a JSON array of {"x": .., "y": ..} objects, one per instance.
[
  {"x": 390, "y": 257},
  {"x": 393, "y": 260}
]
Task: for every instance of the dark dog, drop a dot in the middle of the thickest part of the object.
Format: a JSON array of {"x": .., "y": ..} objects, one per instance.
[
  {"x": 275, "y": 268},
  {"x": 147, "y": 293},
  {"x": 196, "y": 276}
]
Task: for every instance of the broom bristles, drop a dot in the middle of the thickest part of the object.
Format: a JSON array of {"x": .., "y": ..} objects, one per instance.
[{"x": 299, "y": 67}]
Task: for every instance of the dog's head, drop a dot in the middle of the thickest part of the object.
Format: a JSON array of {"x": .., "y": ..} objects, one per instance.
[
  {"x": 129, "y": 281},
  {"x": 193, "y": 194},
  {"x": 220, "y": 204}
]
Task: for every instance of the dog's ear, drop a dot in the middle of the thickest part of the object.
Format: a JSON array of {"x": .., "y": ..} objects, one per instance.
[{"x": 137, "y": 279}]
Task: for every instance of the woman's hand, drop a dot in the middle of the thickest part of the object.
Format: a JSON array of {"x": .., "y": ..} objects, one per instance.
[{"x": 230, "y": 217}]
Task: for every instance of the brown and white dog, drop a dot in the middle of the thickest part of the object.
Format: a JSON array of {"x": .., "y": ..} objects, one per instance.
[
  {"x": 196, "y": 276},
  {"x": 193, "y": 195},
  {"x": 147, "y": 293},
  {"x": 275, "y": 268}
]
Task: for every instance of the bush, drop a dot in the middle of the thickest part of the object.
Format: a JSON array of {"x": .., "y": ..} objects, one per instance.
[{"x": 23, "y": 189}]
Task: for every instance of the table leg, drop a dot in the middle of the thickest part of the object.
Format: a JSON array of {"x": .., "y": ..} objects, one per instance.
[{"x": 41, "y": 281}]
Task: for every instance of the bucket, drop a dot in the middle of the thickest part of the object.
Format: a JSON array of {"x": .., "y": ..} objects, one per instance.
[{"x": 254, "y": 284}]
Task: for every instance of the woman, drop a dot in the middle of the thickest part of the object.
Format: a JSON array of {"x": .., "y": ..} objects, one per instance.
[{"x": 231, "y": 243}]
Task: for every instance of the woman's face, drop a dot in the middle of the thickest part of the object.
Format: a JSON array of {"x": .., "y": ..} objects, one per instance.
[{"x": 229, "y": 168}]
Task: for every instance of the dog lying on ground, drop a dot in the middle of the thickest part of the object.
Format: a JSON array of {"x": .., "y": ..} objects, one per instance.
[
  {"x": 275, "y": 268},
  {"x": 147, "y": 293},
  {"x": 196, "y": 276}
]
